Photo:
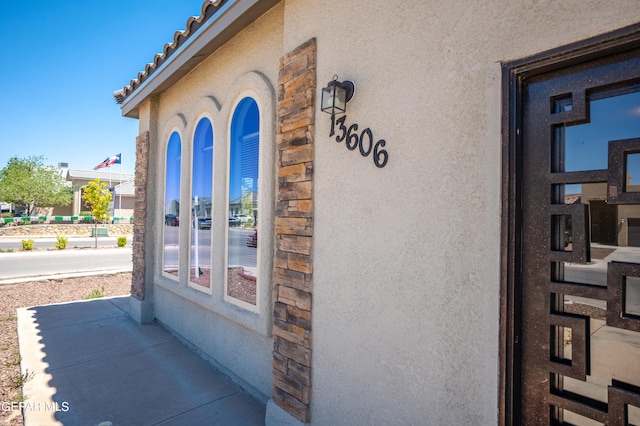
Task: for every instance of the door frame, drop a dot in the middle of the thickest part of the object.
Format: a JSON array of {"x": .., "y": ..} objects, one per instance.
[{"x": 513, "y": 75}]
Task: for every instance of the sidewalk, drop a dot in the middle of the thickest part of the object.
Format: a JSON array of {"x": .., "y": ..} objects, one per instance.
[{"x": 89, "y": 363}]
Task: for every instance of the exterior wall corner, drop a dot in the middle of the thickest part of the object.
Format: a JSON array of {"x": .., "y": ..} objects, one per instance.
[
  {"x": 139, "y": 217},
  {"x": 293, "y": 266}
]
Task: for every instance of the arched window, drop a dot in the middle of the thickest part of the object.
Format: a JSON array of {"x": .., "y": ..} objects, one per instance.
[
  {"x": 172, "y": 205},
  {"x": 201, "y": 204},
  {"x": 242, "y": 234}
]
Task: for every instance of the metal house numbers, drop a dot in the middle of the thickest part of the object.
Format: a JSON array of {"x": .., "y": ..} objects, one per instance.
[{"x": 363, "y": 140}]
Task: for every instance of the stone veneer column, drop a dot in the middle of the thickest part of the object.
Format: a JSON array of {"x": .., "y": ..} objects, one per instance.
[
  {"x": 294, "y": 232},
  {"x": 140, "y": 215}
]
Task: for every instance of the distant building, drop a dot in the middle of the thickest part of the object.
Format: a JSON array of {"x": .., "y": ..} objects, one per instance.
[{"x": 122, "y": 184}]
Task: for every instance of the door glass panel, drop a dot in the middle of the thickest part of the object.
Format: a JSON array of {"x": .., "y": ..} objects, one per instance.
[
  {"x": 611, "y": 350},
  {"x": 593, "y": 391},
  {"x": 584, "y": 146},
  {"x": 633, "y": 415},
  {"x": 632, "y": 172},
  {"x": 594, "y": 337},
  {"x": 563, "y": 230},
  {"x": 579, "y": 248},
  {"x": 172, "y": 206},
  {"x": 571, "y": 418},
  {"x": 562, "y": 103},
  {"x": 632, "y": 296},
  {"x": 613, "y": 238},
  {"x": 563, "y": 347}
]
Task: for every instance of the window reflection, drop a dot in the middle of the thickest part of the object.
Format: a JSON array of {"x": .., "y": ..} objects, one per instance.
[
  {"x": 201, "y": 204},
  {"x": 172, "y": 205},
  {"x": 632, "y": 173},
  {"x": 612, "y": 349},
  {"x": 242, "y": 234},
  {"x": 584, "y": 146},
  {"x": 632, "y": 299}
]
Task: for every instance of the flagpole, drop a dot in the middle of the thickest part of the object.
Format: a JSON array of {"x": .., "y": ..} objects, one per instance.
[{"x": 120, "y": 196}]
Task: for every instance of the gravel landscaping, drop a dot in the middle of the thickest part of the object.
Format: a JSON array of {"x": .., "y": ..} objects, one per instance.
[{"x": 41, "y": 293}]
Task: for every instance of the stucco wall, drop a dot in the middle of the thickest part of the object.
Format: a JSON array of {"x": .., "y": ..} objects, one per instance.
[
  {"x": 406, "y": 258},
  {"x": 235, "y": 339}
]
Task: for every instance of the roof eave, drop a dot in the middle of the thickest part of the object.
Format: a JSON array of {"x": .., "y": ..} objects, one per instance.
[{"x": 228, "y": 21}]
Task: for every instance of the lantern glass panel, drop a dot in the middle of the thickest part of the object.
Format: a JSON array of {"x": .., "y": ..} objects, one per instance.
[
  {"x": 327, "y": 99},
  {"x": 340, "y": 99}
]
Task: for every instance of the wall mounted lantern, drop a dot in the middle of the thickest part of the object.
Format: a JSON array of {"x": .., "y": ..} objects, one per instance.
[{"x": 336, "y": 95}]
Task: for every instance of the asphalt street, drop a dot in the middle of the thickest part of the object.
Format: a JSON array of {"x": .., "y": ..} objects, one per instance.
[
  {"x": 81, "y": 258},
  {"x": 26, "y": 266}
]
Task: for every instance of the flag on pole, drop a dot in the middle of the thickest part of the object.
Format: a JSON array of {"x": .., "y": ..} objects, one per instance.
[{"x": 108, "y": 162}]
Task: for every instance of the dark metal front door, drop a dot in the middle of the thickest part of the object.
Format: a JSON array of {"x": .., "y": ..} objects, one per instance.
[{"x": 580, "y": 299}]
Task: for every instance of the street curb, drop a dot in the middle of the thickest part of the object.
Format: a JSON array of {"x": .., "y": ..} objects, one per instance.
[
  {"x": 36, "y": 238},
  {"x": 32, "y": 278},
  {"x": 54, "y": 252}
]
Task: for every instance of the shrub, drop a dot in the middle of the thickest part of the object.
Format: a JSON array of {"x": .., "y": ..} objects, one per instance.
[
  {"x": 83, "y": 215},
  {"x": 18, "y": 381},
  {"x": 27, "y": 244},
  {"x": 122, "y": 241},
  {"x": 95, "y": 294},
  {"x": 62, "y": 242}
]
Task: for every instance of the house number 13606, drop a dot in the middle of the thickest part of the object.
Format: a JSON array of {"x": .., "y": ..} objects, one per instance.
[{"x": 364, "y": 140}]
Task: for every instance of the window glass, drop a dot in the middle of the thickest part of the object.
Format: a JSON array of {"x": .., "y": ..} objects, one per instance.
[
  {"x": 242, "y": 234},
  {"x": 632, "y": 172},
  {"x": 584, "y": 146},
  {"x": 597, "y": 328},
  {"x": 172, "y": 205},
  {"x": 201, "y": 204}
]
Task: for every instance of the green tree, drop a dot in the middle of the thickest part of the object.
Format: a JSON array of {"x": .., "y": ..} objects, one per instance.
[
  {"x": 28, "y": 182},
  {"x": 97, "y": 195}
]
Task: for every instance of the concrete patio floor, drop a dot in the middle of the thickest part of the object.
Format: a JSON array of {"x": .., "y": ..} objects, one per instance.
[{"x": 89, "y": 363}]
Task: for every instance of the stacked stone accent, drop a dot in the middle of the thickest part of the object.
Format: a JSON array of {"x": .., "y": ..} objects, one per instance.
[
  {"x": 293, "y": 269},
  {"x": 140, "y": 215}
]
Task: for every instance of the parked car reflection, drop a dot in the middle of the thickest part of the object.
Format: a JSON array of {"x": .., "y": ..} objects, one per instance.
[
  {"x": 171, "y": 220},
  {"x": 252, "y": 241},
  {"x": 204, "y": 223}
]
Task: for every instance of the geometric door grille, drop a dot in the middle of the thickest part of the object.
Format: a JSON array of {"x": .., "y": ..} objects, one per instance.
[{"x": 580, "y": 278}]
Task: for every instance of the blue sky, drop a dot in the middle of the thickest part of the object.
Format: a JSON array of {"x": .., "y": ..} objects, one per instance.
[{"x": 61, "y": 62}]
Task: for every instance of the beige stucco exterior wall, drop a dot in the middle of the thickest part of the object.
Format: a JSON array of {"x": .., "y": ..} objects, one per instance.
[
  {"x": 406, "y": 258},
  {"x": 234, "y": 339}
]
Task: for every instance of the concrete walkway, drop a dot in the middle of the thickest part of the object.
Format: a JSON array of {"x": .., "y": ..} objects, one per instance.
[{"x": 88, "y": 363}]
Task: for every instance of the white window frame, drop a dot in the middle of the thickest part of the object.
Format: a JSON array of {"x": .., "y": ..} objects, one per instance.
[{"x": 219, "y": 110}]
